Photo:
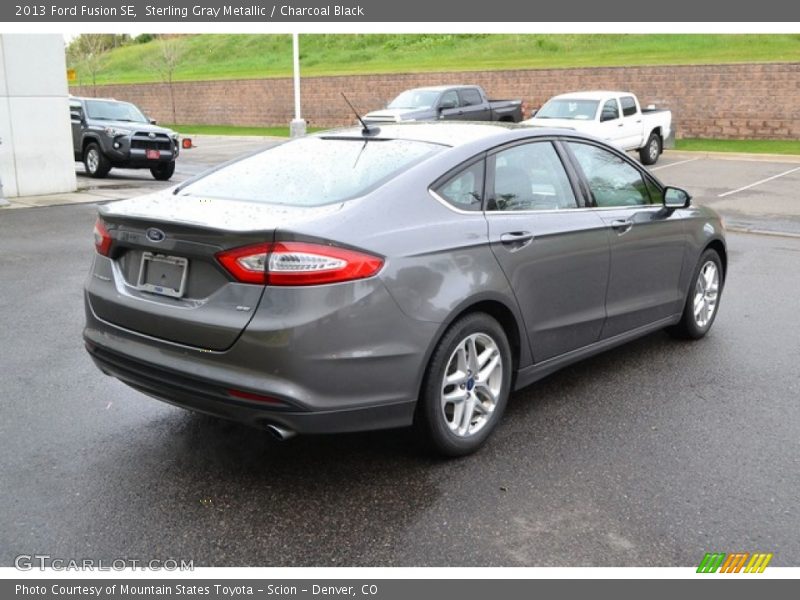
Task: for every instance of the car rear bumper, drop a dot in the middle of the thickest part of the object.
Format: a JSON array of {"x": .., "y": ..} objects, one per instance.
[
  {"x": 212, "y": 399},
  {"x": 349, "y": 361}
]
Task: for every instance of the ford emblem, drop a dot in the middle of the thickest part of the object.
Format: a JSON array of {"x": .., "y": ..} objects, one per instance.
[{"x": 155, "y": 235}]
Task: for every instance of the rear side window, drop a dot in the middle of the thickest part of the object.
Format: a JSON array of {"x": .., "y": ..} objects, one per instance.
[
  {"x": 628, "y": 105},
  {"x": 464, "y": 190},
  {"x": 470, "y": 97},
  {"x": 313, "y": 171},
  {"x": 612, "y": 181},
  {"x": 530, "y": 177}
]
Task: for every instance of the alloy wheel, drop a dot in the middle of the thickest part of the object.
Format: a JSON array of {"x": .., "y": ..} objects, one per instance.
[
  {"x": 472, "y": 384},
  {"x": 706, "y": 292}
]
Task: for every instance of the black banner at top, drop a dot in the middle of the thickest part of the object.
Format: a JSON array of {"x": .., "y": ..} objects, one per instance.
[{"x": 367, "y": 11}]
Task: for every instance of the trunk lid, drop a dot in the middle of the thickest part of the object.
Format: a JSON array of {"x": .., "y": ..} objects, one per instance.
[{"x": 162, "y": 278}]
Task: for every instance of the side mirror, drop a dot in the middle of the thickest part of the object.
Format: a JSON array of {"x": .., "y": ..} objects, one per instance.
[
  {"x": 447, "y": 105},
  {"x": 608, "y": 116},
  {"x": 153, "y": 121},
  {"x": 533, "y": 112},
  {"x": 76, "y": 115},
  {"x": 676, "y": 197}
]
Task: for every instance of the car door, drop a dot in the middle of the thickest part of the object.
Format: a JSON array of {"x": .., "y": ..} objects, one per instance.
[
  {"x": 449, "y": 106},
  {"x": 647, "y": 240},
  {"x": 472, "y": 105},
  {"x": 554, "y": 254},
  {"x": 610, "y": 127},
  {"x": 631, "y": 137}
]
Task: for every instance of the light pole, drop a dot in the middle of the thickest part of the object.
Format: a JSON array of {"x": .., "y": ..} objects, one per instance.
[
  {"x": 297, "y": 127},
  {"x": 3, "y": 201}
]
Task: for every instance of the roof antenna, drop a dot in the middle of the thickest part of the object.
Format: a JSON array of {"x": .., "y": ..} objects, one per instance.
[{"x": 365, "y": 130}]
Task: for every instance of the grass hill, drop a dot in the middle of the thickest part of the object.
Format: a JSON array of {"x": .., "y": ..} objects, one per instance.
[{"x": 232, "y": 56}]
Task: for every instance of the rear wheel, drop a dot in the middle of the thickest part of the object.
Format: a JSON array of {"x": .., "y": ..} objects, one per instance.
[
  {"x": 163, "y": 171},
  {"x": 703, "y": 299},
  {"x": 649, "y": 153},
  {"x": 466, "y": 386},
  {"x": 97, "y": 165}
]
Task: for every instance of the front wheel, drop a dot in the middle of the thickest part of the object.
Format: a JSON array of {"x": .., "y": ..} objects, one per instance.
[
  {"x": 163, "y": 171},
  {"x": 649, "y": 153},
  {"x": 466, "y": 386},
  {"x": 702, "y": 302},
  {"x": 96, "y": 163}
]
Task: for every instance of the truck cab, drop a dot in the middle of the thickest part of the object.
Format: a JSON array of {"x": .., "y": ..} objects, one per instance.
[{"x": 615, "y": 117}]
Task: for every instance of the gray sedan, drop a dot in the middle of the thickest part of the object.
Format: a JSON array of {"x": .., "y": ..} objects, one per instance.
[{"x": 412, "y": 274}]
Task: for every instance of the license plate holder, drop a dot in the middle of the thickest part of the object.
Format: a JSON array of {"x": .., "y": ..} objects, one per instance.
[
  {"x": 152, "y": 154},
  {"x": 163, "y": 275}
]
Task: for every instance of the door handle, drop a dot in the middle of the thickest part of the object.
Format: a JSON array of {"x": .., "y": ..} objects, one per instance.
[
  {"x": 515, "y": 240},
  {"x": 620, "y": 124},
  {"x": 622, "y": 225}
]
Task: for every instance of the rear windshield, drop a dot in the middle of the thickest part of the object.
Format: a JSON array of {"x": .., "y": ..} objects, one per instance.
[{"x": 313, "y": 171}]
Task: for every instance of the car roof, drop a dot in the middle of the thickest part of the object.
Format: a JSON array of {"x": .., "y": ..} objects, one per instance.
[
  {"x": 592, "y": 95},
  {"x": 93, "y": 98},
  {"x": 441, "y": 88},
  {"x": 449, "y": 133},
  {"x": 445, "y": 134}
]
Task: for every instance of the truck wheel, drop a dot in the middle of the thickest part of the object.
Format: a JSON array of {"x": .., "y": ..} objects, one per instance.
[
  {"x": 163, "y": 171},
  {"x": 96, "y": 163},
  {"x": 650, "y": 152}
]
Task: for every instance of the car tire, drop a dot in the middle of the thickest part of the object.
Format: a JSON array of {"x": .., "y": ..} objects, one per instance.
[
  {"x": 95, "y": 162},
  {"x": 163, "y": 171},
  {"x": 702, "y": 301},
  {"x": 470, "y": 368},
  {"x": 649, "y": 153}
]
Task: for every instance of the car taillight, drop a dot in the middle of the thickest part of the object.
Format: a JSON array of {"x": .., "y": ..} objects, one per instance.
[
  {"x": 298, "y": 263},
  {"x": 102, "y": 241}
]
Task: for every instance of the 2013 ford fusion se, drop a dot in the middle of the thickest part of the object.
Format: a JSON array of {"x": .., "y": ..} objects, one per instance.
[{"x": 412, "y": 274}]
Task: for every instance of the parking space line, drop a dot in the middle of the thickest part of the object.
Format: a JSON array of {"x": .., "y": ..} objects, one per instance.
[
  {"x": 747, "y": 187},
  {"x": 680, "y": 162}
]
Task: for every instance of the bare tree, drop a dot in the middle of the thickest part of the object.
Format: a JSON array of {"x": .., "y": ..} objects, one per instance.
[
  {"x": 166, "y": 63},
  {"x": 87, "y": 51}
]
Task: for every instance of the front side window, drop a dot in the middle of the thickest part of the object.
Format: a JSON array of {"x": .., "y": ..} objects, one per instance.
[
  {"x": 530, "y": 177},
  {"x": 313, "y": 171},
  {"x": 610, "y": 111},
  {"x": 628, "y": 105},
  {"x": 612, "y": 181},
  {"x": 449, "y": 99},
  {"x": 464, "y": 190}
]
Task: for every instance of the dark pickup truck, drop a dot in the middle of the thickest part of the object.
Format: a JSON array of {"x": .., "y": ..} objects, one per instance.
[
  {"x": 108, "y": 133},
  {"x": 447, "y": 102}
]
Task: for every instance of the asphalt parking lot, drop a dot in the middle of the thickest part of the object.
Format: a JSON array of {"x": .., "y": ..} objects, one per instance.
[
  {"x": 651, "y": 454},
  {"x": 753, "y": 193}
]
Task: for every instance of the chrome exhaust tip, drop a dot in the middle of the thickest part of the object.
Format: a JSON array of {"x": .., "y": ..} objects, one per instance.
[{"x": 280, "y": 433}]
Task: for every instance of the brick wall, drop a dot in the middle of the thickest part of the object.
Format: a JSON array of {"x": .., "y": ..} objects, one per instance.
[{"x": 719, "y": 101}]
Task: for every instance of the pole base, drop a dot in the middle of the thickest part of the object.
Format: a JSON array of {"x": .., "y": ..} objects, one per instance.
[{"x": 297, "y": 128}]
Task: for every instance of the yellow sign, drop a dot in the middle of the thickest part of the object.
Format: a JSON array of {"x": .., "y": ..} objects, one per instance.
[{"x": 71, "y": 75}]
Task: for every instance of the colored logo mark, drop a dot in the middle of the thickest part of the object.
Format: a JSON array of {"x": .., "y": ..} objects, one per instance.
[{"x": 737, "y": 562}]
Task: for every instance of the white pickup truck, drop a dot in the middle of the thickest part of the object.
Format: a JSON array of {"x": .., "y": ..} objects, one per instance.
[{"x": 615, "y": 117}]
